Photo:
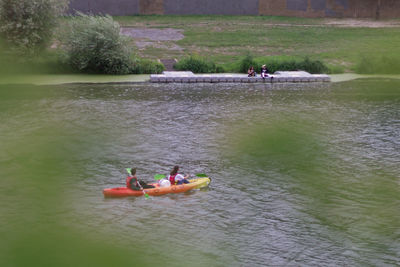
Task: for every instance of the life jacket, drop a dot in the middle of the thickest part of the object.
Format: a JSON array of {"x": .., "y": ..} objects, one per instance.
[
  {"x": 128, "y": 181},
  {"x": 172, "y": 179}
]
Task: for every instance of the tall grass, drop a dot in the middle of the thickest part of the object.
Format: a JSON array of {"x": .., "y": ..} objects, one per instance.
[
  {"x": 311, "y": 66},
  {"x": 146, "y": 66},
  {"x": 197, "y": 64},
  {"x": 247, "y": 62},
  {"x": 378, "y": 65}
]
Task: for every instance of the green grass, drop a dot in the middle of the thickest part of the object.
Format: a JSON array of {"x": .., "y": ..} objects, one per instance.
[
  {"x": 226, "y": 39},
  {"x": 45, "y": 79}
]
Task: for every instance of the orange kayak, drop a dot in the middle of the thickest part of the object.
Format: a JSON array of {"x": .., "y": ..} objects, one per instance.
[{"x": 158, "y": 191}]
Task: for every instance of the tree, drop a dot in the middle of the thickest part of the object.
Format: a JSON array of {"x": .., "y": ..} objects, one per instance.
[{"x": 26, "y": 26}]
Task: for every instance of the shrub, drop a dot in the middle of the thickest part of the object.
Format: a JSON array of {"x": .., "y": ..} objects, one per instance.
[
  {"x": 93, "y": 44},
  {"x": 146, "y": 66},
  {"x": 245, "y": 63},
  {"x": 336, "y": 69},
  {"x": 311, "y": 66},
  {"x": 196, "y": 64},
  {"x": 220, "y": 69},
  {"x": 27, "y": 26}
]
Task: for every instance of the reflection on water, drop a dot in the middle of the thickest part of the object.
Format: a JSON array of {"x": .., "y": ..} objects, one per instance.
[{"x": 302, "y": 174}]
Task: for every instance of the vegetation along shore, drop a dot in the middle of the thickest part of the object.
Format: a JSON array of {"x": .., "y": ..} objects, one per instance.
[
  {"x": 343, "y": 45},
  {"x": 204, "y": 44}
]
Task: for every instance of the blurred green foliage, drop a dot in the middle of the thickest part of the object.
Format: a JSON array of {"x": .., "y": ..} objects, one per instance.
[
  {"x": 296, "y": 154},
  {"x": 26, "y": 26},
  {"x": 286, "y": 144},
  {"x": 38, "y": 155}
]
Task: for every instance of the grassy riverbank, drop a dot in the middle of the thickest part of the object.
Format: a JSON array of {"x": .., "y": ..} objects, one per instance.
[
  {"x": 57, "y": 79},
  {"x": 49, "y": 79},
  {"x": 344, "y": 45}
]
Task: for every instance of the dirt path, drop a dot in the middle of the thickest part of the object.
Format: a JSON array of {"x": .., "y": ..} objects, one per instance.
[
  {"x": 153, "y": 34},
  {"x": 158, "y": 38},
  {"x": 362, "y": 23}
]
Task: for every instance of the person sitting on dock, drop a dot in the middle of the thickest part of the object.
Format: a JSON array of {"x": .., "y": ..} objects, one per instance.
[
  {"x": 264, "y": 72},
  {"x": 251, "y": 72},
  {"x": 176, "y": 178},
  {"x": 133, "y": 183}
]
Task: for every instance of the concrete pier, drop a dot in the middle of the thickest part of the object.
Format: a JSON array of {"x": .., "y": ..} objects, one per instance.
[{"x": 277, "y": 77}]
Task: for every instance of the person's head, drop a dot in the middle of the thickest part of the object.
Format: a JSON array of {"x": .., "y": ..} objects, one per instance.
[
  {"x": 263, "y": 66},
  {"x": 251, "y": 67},
  {"x": 174, "y": 170},
  {"x": 133, "y": 171}
]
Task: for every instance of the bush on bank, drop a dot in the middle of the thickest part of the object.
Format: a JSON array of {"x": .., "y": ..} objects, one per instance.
[
  {"x": 311, "y": 66},
  {"x": 146, "y": 66},
  {"x": 93, "y": 44},
  {"x": 197, "y": 64},
  {"x": 246, "y": 62}
]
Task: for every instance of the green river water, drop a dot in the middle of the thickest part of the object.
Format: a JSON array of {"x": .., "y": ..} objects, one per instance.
[{"x": 302, "y": 174}]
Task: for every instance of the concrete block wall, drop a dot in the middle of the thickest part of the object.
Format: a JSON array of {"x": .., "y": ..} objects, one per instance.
[
  {"x": 110, "y": 7},
  {"x": 211, "y": 7},
  {"x": 331, "y": 8},
  {"x": 151, "y": 7},
  {"x": 299, "y": 8},
  {"x": 167, "y": 7},
  {"x": 389, "y": 9}
]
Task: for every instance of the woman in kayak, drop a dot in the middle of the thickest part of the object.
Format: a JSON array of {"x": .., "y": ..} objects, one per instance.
[
  {"x": 133, "y": 183},
  {"x": 176, "y": 178}
]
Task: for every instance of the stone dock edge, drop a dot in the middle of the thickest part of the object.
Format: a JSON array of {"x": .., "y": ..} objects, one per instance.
[{"x": 277, "y": 77}]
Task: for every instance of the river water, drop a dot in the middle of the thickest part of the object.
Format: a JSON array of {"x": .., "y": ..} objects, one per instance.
[{"x": 302, "y": 174}]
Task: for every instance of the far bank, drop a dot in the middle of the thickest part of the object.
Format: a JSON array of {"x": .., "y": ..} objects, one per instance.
[
  {"x": 343, "y": 45},
  {"x": 52, "y": 79}
]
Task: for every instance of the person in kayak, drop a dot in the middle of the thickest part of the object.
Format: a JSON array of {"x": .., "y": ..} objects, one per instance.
[
  {"x": 176, "y": 178},
  {"x": 133, "y": 183}
]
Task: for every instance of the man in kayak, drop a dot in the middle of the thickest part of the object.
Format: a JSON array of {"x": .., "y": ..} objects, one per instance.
[
  {"x": 176, "y": 178},
  {"x": 133, "y": 183}
]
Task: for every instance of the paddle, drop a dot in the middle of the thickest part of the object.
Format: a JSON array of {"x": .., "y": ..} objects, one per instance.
[
  {"x": 144, "y": 192},
  {"x": 162, "y": 176}
]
